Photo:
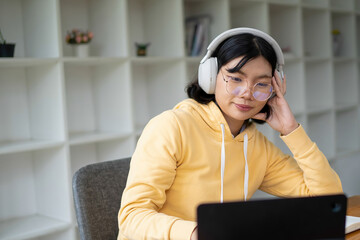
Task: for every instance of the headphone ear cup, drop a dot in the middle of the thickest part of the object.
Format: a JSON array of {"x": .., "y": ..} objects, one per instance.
[{"x": 207, "y": 75}]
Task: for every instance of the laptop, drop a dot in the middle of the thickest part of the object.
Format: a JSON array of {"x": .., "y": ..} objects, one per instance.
[{"x": 305, "y": 218}]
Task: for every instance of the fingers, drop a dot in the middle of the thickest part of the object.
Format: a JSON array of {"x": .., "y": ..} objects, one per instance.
[
  {"x": 276, "y": 87},
  {"x": 279, "y": 85},
  {"x": 260, "y": 116},
  {"x": 284, "y": 84}
]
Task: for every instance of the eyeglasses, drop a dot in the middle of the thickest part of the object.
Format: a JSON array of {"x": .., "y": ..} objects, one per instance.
[{"x": 237, "y": 87}]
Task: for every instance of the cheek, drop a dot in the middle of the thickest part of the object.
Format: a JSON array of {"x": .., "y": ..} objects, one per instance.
[
  {"x": 260, "y": 106},
  {"x": 220, "y": 91}
]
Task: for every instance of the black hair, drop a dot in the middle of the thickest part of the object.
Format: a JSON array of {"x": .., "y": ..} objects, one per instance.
[{"x": 247, "y": 45}]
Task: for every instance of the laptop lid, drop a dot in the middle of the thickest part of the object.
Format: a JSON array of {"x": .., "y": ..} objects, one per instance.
[{"x": 321, "y": 217}]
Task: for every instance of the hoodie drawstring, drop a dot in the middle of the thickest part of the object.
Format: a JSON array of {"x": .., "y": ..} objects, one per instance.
[
  {"x": 246, "y": 175},
  {"x": 222, "y": 162}
]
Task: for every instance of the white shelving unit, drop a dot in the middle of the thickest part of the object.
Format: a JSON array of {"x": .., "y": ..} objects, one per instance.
[{"x": 59, "y": 112}]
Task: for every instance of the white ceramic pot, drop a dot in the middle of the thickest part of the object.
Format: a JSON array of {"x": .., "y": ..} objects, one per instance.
[{"x": 81, "y": 50}]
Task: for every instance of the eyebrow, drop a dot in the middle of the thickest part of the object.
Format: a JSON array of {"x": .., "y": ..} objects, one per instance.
[{"x": 258, "y": 77}]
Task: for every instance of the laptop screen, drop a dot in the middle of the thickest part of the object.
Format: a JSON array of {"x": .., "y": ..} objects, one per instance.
[{"x": 321, "y": 217}]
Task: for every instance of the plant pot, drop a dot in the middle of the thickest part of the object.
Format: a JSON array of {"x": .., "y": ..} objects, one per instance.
[
  {"x": 81, "y": 50},
  {"x": 7, "y": 50}
]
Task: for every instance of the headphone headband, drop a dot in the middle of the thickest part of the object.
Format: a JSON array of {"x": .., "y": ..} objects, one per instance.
[
  {"x": 208, "y": 67},
  {"x": 235, "y": 31}
]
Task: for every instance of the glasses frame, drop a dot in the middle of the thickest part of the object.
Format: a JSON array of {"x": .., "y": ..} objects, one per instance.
[{"x": 251, "y": 89}]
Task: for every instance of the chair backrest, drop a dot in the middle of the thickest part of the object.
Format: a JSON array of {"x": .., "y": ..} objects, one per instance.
[{"x": 97, "y": 190}]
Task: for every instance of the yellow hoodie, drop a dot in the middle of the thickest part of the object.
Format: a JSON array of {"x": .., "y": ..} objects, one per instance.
[{"x": 177, "y": 165}]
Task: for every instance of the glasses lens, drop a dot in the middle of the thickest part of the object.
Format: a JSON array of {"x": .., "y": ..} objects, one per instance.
[
  {"x": 262, "y": 91},
  {"x": 235, "y": 88}
]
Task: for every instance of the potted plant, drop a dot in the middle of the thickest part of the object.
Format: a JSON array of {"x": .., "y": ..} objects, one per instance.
[
  {"x": 337, "y": 42},
  {"x": 6, "y": 49},
  {"x": 80, "y": 41},
  {"x": 141, "y": 49}
]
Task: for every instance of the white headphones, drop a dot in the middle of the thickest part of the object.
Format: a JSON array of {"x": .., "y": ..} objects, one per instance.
[{"x": 208, "y": 65}]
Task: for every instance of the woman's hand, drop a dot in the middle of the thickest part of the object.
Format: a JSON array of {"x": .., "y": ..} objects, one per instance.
[{"x": 281, "y": 118}]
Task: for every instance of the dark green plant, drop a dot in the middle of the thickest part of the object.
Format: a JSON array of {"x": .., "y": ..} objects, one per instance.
[{"x": 2, "y": 39}]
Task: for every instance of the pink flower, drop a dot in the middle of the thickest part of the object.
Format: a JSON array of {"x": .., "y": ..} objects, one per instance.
[
  {"x": 76, "y": 36},
  {"x": 85, "y": 39},
  {"x": 78, "y": 39}
]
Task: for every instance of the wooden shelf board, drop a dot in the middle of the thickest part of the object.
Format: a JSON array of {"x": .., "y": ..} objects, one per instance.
[
  {"x": 92, "y": 61},
  {"x": 25, "y": 62},
  {"x": 7, "y": 147},
  {"x": 342, "y": 106},
  {"x": 316, "y": 110},
  {"x": 153, "y": 60},
  {"x": 77, "y": 138},
  {"x": 30, "y": 227}
]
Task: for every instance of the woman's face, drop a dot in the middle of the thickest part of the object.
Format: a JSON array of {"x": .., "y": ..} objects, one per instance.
[{"x": 238, "y": 108}]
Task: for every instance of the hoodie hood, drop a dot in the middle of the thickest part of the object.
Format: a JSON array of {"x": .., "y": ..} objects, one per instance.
[{"x": 211, "y": 115}]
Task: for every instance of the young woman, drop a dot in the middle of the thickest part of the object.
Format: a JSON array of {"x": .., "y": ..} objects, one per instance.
[{"x": 207, "y": 148}]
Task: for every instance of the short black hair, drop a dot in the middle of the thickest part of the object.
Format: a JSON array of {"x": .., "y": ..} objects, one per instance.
[{"x": 246, "y": 45}]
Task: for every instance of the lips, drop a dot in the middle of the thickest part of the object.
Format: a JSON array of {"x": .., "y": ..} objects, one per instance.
[{"x": 243, "y": 107}]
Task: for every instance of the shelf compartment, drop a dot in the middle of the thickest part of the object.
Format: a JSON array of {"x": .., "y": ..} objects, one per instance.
[
  {"x": 249, "y": 14},
  {"x": 89, "y": 15},
  {"x": 85, "y": 154},
  {"x": 23, "y": 24},
  {"x": 30, "y": 227},
  {"x": 98, "y": 100},
  {"x": 192, "y": 71},
  {"x": 82, "y": 155},
  {"x": 346, "y": 83},
  {"x": 316, "y": 4},
  {"x": 343, "y": 5},
  {"x": 216, "y": 10},
  {"x": 295, "y": 86},
  {"x": 318, "y": 86},
  {"x": 345, "y": 23},
  {"x": 284, "y": 28},
  {"x": 347, "y": 131},
  {"x": 156, "y": 88},
  {"x": 321, "y": 130},
  {"x": 358, "y": 34},
  {"x": 153, "y": 21},
  {"x": 31, "y": 104},
  {"x": 316, "y": 23},
  {"x": 41, "y": 178}
]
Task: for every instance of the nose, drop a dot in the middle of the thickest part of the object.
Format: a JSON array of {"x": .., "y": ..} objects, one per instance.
[
  {"x": 246, "y": 93},
  {"x": 243, "y": 91}
]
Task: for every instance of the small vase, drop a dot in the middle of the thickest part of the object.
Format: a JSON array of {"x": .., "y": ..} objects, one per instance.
[{"x": 81, "y": 50}]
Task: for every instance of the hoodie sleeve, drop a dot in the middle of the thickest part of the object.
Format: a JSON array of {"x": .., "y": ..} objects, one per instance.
[
  {"x": 152, "y": 171},
  {"x": 308, "y": 173}
]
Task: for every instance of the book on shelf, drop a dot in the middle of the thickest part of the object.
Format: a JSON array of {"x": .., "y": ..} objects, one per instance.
[
  {"x": 197, "y": 35},
  {"x": 352, "y": 224}
]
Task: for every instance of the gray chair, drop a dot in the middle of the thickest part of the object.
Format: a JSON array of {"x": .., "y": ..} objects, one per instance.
[{"x": 97, "y": 190}]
